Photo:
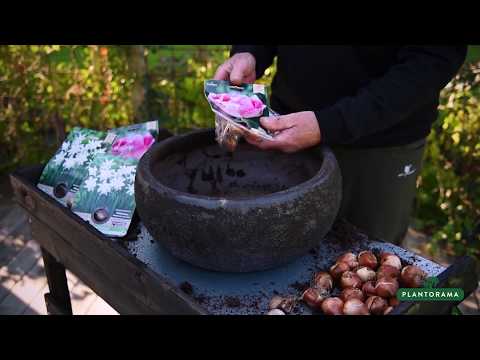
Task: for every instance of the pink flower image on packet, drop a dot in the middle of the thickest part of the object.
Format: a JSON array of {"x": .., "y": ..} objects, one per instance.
[
  {"x": 132, "y": 146},
  {"x": 238, "y": 105}
]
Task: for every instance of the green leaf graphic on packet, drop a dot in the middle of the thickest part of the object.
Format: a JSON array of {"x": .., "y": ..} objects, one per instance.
[
  {"x": 100, "y": 189},
  {"x": 237, "y": 110}
]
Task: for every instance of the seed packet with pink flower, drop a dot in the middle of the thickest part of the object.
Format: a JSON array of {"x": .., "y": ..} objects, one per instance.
[
  {"x": 133, "y": 141},
  {"x": 106, "y": 197},
  {"x": 237, "y": 110}
]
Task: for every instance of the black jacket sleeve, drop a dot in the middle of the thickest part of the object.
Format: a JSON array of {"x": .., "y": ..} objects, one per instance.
[
  {"x": 263, "y": 54},
  {"x": 413, "y": 81}
]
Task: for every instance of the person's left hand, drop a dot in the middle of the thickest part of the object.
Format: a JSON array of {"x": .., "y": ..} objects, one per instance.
[{"x": 292, "y": 132}]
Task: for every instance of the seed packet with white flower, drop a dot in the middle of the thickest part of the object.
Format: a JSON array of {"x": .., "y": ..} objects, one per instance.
[
  {"x": 106, "y": 198},
  {"x": 237, "y": 110},
  {"x": 65, "y": 172}
]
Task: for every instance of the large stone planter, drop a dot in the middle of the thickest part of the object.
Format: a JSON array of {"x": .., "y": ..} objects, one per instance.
[{"x": 247, "y": 211}]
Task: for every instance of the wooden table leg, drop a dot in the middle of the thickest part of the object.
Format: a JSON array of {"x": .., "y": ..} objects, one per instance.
[{"x": 58, "y": 300}]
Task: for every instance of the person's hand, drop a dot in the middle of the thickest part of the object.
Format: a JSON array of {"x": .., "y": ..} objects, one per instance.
[
  {"x": 239, "y": 69},
  {"x": 292, "y": 132}
]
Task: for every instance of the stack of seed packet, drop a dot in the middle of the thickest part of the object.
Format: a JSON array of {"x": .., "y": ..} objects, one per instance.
[
  {"x": 237, "y": 110},
  {"x": 93, "y": 174}
]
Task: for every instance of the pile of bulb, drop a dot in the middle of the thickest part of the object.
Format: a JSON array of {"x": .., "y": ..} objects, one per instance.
[{"x": 366, "y": 284}]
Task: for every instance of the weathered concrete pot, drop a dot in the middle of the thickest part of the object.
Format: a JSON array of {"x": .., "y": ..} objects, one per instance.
[{"x": 247, "y": 211}]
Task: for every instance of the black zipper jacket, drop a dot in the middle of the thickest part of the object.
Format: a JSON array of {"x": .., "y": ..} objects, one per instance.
[{"x": 364, "y": 96}]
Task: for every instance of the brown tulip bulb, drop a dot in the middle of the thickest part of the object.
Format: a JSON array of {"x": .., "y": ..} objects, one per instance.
[
  {"x": 349, "y": 258},
  {"x": 368, "y": 259},
  {"x": 352, "y": 293},
  {"x": 386, "y": 288},
  {"x": 412, "y": 276},
  {"x": 355, "y": 307},
  {"x": 376, "y": 305},
  {"x": 338, "y": 269},
  {"x": 332, "y": 306}
]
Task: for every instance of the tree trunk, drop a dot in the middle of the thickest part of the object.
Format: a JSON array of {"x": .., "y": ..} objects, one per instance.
[
  {"x": 59, "y": 126},
  {"x": 138, "y": 67}
]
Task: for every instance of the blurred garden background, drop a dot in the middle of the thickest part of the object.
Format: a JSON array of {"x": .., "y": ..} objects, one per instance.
[{"x": 46, "y": 90}]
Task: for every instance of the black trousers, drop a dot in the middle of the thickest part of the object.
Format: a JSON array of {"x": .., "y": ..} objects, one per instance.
[{"x": 379, "y": 187}]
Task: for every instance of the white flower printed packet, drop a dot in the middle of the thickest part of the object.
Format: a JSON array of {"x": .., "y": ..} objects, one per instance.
[
  {"x": 65, "y": 172},
  {"x": 93, "y": 174},
  {"x": 106, "y": 198}
]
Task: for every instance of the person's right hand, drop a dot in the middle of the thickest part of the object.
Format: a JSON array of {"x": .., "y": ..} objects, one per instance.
[{"x": 239, "y": 69}]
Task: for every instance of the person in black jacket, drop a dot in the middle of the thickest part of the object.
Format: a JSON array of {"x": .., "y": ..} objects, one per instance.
[{"x": 373, "y": 105}]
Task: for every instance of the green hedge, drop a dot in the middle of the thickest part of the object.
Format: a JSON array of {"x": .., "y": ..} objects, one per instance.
[
  {"x": 46, "y": 90},
  {"x": 448, "y": 201}
]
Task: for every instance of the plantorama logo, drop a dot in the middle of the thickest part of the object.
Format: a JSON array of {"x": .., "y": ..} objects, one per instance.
[{"x": 430, "y": 293}]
